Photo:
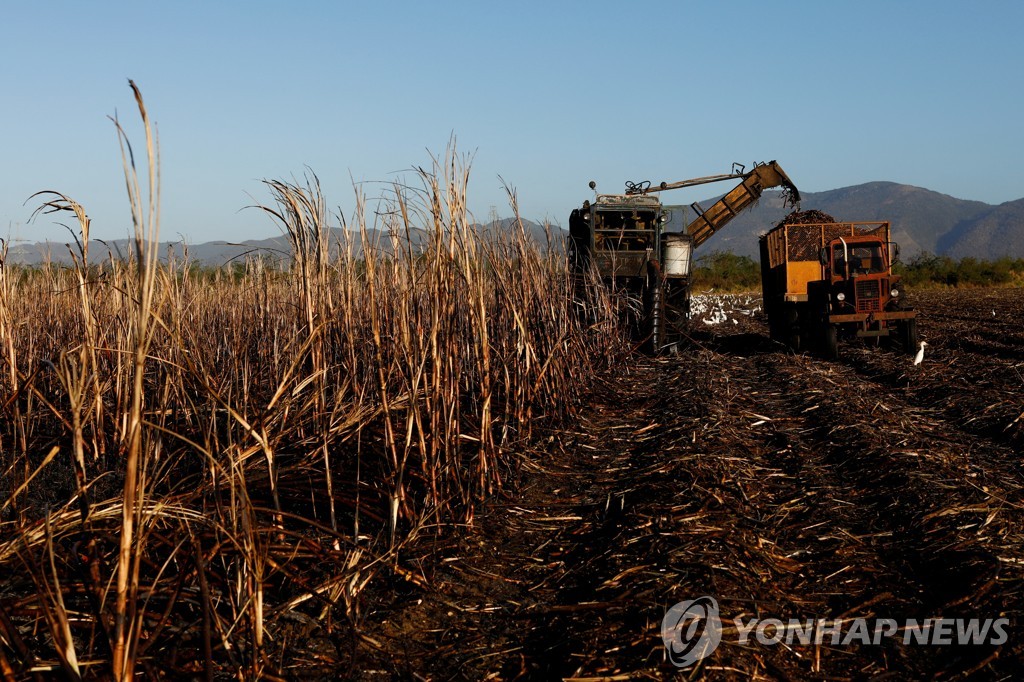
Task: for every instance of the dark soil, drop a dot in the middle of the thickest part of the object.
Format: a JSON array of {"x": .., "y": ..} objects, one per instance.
[{"x": 784, "y": 486}]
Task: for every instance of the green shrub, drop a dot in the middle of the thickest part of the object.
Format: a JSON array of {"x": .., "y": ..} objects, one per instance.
[
  {"x": 927, "y": 269},
  {"x": 725, "y": 271}
]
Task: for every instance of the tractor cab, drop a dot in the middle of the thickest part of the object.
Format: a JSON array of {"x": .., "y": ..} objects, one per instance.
[
  {"x": 858, "y": 269},
  {"x": 620, "y": 234}
]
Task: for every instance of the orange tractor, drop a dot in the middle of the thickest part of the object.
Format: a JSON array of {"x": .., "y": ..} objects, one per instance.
[{"x": 825, "y": 281}]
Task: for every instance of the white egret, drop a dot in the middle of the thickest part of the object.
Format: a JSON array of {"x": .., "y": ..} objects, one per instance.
[{"x": 920, "y": 354}]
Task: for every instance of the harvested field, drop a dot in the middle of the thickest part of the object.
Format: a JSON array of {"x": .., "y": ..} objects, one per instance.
[
  {"x": 202, "y": 472},
  {"x": 785, "y": 486}
]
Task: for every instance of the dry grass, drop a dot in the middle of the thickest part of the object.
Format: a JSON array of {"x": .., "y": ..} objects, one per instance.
[{"x": 192, "y": 466}]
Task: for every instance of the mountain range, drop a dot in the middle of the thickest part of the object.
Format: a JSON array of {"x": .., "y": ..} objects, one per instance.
[
  {"x": 219, "y": 253},
  {"x": 922, "y": 221}
]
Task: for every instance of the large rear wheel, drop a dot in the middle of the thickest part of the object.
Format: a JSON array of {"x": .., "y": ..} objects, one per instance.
[
  {"x": 775, "y": 324},
  {"x": 830, "y": 342},
  {"x": 794, "y": 337}
]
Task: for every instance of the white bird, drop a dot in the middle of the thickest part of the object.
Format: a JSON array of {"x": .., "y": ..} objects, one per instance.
[{"x": 920, "y": 354}]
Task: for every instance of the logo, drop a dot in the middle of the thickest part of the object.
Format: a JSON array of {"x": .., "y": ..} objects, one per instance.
[{"x": 691, "y": 630}]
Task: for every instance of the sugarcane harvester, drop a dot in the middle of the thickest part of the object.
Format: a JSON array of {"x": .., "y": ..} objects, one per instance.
[{"x": 623, "y": 239}]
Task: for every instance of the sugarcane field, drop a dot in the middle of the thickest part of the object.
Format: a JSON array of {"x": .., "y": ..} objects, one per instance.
[
  {"x": 453, "y": 459},
  {"x": 613, "y": 484},
  {"x": 431, "y": 342}
]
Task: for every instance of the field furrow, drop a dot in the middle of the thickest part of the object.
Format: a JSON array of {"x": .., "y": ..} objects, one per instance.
[{"x": 782, "y": 485}]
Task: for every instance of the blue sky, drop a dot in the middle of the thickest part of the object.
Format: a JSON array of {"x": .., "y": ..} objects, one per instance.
[{"x": 546, "y": 95}]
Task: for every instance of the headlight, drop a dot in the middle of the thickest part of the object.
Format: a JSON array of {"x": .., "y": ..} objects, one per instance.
[
  {"x": 895, "y": 293},
  {"x": 840, "y": 296}
]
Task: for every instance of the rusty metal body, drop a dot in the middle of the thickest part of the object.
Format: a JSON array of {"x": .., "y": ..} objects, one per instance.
[
  {"x": 623, "y": 238},
  {"x": 824, "y": 281},
  {"x": 754, "y": 183}
]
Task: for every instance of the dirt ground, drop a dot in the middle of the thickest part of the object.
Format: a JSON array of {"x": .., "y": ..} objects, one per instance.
[{"x": 782, "y": 485}]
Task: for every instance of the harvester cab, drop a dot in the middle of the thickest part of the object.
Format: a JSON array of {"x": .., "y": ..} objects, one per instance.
[{"x": 623, "y": 238}]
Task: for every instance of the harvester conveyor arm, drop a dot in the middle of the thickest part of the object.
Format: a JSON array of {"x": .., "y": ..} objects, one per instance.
[{"x": 762, "y": 177}]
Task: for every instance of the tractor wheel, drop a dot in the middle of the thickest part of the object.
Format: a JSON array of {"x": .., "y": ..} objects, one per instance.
[
  {"x": 793, "y": 329},
  {"x": 774, "y": 326},
  {"x": 908, "y": 335},
  {"x": 830, "y": 342}
]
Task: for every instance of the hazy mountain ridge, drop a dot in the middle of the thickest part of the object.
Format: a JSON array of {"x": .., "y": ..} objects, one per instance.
[
  {"x": 999, "y": 232},
  {"x": 922, "y": 220},
  {"x": 220, "y": 252}
]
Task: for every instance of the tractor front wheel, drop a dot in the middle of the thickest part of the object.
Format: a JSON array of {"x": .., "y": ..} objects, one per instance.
[{"x": 908, "y": 335}]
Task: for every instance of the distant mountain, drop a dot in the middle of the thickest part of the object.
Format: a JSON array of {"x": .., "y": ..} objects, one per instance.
[
  {"x": 922, "y": 220},
  {"x": 208, "y": 253},
  {"x": 544, "y": 234},
  {"x": 999, "y": 232},
  {"x": 217, "y": 253}
]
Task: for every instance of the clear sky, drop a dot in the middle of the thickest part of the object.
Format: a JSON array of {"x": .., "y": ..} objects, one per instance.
[{"x": 546, "y": 95}]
